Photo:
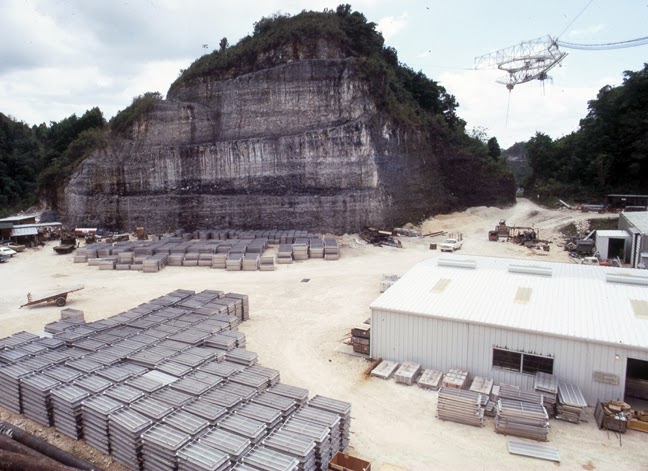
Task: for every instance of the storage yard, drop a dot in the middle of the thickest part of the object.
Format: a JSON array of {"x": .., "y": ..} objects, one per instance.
[{"x": 297, "y": 328}]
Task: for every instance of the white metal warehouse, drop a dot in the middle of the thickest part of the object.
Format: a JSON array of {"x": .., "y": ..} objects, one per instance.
[{"x": 507, "y": 318}]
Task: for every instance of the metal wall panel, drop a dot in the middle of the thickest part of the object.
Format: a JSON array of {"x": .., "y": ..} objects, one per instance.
[{"x": 441, "y": 344}]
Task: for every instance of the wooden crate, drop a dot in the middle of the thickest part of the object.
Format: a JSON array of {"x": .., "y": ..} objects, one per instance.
[
  {"x": 344, "y": 462},
  {"x": 635, "y": 424}
]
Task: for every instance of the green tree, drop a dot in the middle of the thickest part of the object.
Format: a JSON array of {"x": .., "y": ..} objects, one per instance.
[{"x": 494, "y": 150}]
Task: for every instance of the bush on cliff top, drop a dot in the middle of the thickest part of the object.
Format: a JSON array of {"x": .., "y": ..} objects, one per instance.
[
  {"x": 409, "y": 97},
  {"x": 122, "y": 122}
]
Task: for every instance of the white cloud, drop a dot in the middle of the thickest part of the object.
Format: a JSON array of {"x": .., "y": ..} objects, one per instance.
[
  {"x": 390, "y": 26},
  {"x": 586, "y": 32}
]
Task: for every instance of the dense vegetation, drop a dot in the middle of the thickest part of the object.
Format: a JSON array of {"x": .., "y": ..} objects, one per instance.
[
  {"x": 410, "y": 96},
  {"x": 607, "y": 154}
]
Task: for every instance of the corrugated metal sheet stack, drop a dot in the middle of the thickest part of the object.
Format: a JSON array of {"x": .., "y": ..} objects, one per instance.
[
  {"x": 331, "y": 249},
  {"x": 285, "y": 254},
  {"x": 66, "y": 409},
  {"x": 461, "y": 406},
  {"x": 190, "y": 259},
  {"x": 430, "y": 379},
  {"x": 571, "y": 403},
  {"x": 516, "y": 394},
  {"x": 111, "y": 380},
  {"x": 547, "y": 385},
  {"x": 455, "y": 378},
  {"x": 326, "y": 418},
  {"x": 263, "y": 458},
  {"x": 161, "y": 444},
  {"x": 342, "y": 409},
  {"x": 408, "y": 373},
  {"x": 96, "y": 412},
  {"x": 36, "y": 398},
  {"x": 316, "y": 247},
  {"x": 126, "y": 429},
  {"x": 521, "y": 419},
  {"x": 199, "y": 457}
]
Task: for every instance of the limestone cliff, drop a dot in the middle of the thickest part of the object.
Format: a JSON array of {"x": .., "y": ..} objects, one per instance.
[{"x": 297, "y": 140}]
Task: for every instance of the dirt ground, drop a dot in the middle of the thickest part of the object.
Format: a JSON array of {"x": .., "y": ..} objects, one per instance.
[{"x": 298, "y": 328}]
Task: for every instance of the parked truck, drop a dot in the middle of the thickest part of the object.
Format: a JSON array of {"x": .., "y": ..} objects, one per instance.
[{"x": 452, "y": 243}]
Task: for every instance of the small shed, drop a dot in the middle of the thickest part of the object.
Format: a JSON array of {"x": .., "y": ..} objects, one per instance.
[
  {"x": 613, "y": 244},
  {"x": 636, "y": 224}
]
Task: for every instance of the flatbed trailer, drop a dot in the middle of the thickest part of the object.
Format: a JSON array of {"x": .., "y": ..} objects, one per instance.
[{"x": 59, "y": 297}]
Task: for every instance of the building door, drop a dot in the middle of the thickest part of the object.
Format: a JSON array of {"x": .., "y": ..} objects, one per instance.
[
  {"x": 636, "y": 385},
  {"x": 616, "y": 248}
]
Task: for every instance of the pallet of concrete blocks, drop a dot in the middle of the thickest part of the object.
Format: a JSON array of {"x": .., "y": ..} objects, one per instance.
[
  {"x": 107, "y": 263},
  {"x": 407, "y": 373},
  {"x": 234, "y": 262},
  {"x": 266, "y": 263},
  {"x": 455, "y": 378},
  {"x": 522, "y": 419},
  {"x": 457, "y": 405},
  {"x": 154, "y": 263},
  {"x": 81, "y": 255},
  {"x": 316, "y": 247},
  {"x": 571, "y": 403},
  {"x": 547, "y": 384},
  {"x": 285, "y": 253},
  {"x": 219, "y": 260},
  {"x": 251, "y": 262},
  {"x": 331, "y": 249},
  {"x": 385, "y": 369},
  {"x": 190, "y": 259},
  {"x": 205, "y": 259},
  {"x": 175, "y": 260},
  {"x": 300, "y": 249},
  {"x": 430, "y": 379},
  {"x": 482, "y": 385}
]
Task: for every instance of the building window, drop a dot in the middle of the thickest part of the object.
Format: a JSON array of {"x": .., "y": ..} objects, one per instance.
[
  {"x": 521, "y": 362},
  {"x": 532, "y": 364},
  {"x": 507, "y": 359}
]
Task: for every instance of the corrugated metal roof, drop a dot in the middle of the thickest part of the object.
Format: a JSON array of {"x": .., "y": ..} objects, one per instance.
[
  {"x": 575, "y": 301},
  {"x": 620, "y": 234},
  {"x": 42, "y": 224},
  {"x": 18, "y": 231},
  {"x": 638, "y": 219},
  {"x": 16, "y": 218}
]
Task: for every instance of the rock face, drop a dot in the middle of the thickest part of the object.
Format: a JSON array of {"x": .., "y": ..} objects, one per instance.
[{"x": 299, "y": 144}]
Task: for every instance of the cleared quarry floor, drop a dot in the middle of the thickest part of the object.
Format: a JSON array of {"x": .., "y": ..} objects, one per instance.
[{"x": 298, "y": 327}]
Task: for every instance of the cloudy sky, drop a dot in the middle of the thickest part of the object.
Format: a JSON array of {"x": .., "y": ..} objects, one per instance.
[{"x": 59, "y": 57}]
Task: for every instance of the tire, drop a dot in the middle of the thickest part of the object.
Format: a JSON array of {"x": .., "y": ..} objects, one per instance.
[{"x": 60, "y": 301}]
